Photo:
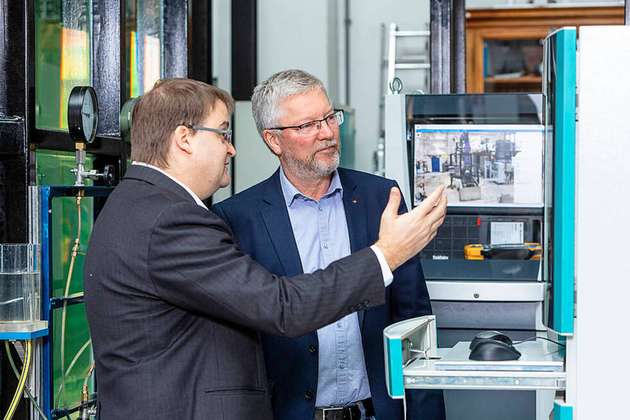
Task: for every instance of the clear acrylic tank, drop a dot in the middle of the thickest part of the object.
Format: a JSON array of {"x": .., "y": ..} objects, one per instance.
[{"x": 19, "y": 283}]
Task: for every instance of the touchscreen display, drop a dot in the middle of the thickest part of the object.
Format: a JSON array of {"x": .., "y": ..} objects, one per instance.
[{"x": 481, "y": 165}]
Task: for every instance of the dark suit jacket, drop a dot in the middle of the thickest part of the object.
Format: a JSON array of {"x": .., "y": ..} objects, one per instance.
[
  {"x": 260, "y": 222},
  {"x": 174, "y": 306}
]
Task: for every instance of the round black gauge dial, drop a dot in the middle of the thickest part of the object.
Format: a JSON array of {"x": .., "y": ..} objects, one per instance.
[{"x": 82, "y": 114}]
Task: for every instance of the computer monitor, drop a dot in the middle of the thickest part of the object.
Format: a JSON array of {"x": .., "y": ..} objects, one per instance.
[
  {"x": 481, "y": 165},
  {"x": 488, "y": 150}
]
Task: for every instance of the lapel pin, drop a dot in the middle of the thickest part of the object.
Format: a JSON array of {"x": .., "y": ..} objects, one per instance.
[{"x": 355, "y": 201}]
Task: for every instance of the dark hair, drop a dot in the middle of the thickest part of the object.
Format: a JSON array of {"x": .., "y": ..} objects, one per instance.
[{"x": 171, "y": 102}]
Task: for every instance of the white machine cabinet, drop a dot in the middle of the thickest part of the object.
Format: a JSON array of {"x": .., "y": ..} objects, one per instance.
[{"x": 585, "y": 257}]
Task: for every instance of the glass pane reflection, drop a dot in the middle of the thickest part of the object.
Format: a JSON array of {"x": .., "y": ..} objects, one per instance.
[
  {"x": 143, "y": 30},
  {"x": 62, "y": 57},
  {"x": 513, "y": 65}
]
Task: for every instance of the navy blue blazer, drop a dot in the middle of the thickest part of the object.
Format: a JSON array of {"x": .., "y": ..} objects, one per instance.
[{"x": 260, "y": 222}]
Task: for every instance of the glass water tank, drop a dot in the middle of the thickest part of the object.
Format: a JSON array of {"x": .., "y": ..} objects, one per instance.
[{"x": 19, "y": 283}]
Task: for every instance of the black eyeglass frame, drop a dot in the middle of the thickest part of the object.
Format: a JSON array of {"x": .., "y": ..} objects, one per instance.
[{"x": 302, "y": 126}]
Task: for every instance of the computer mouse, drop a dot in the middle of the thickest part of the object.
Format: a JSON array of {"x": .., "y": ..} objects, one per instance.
[
  {"x": 493, "y": 350},
  {"x": 490, "y": 335}
]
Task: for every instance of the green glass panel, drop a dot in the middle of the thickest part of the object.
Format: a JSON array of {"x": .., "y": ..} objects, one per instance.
[
  {"x": 143, "y": 32},
  {"x": 54, "y": 168},
  {"x": 62, "y": 57},
  {"x": 73, "y": 342}
]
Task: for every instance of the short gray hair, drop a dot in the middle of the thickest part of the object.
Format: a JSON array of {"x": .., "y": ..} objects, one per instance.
[{"x": 268, "y": 95}]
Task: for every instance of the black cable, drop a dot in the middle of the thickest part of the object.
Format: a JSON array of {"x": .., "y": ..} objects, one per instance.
[{"x": 534, "y": 338}]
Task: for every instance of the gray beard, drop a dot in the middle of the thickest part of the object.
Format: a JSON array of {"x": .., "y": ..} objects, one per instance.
[{"x": 311, "y": 167}]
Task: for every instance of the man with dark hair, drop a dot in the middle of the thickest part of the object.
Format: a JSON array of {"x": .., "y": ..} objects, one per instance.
[
  {"x": 305, "y": 216},
  {"x": 174, "y": 306}
]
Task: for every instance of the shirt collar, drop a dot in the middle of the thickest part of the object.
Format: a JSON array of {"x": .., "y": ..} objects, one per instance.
[
  {"x": 290, "y": 193},
  {"x": 181, "y": 184}
]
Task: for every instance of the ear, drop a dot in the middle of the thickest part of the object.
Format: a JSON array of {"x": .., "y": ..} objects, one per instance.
[
  {"x": 181, "y": 139},
  {"x": 272, "y": 140}
]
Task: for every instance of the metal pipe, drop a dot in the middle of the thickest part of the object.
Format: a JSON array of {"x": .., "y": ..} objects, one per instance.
[
  {"x": 175, "y": 38},
  {"x": 440, "y": 46},
  {"x": 458, "y": 69},
  {"x": 626, "y": 12}
]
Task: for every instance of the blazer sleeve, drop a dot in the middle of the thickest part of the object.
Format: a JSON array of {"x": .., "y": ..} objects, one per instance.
[
  {"x": 409, "y": 294},
  {"x": 194, "y": 263}
]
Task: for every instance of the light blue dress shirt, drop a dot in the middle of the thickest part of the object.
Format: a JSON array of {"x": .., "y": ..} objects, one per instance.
[{"x": 321, "y": 234}]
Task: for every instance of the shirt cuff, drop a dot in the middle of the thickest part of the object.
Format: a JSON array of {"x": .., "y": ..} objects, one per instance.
[{"x": 388, "y": 277}]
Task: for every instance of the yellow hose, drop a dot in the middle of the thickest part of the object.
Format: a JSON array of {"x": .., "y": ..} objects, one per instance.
[
  {"x": 17, "y": 376},
  {"x": 64, "y": 311},
  {"x": 21, "y": 382}
]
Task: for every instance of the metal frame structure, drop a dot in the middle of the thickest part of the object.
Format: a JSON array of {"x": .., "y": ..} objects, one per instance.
[
  {"x": 458, "y": 52},
  {"x": 200, "y": 51},
  {"x": 448, "y": 46},
  {"x": 440, "y": 28},
  {"x": 244, "y": 49},
  {"x": 175, "y": 51},
  {"x": 16, "y": 115},
  {"x": 46, "y": 196},
  {"x": 109, "y": 50}
]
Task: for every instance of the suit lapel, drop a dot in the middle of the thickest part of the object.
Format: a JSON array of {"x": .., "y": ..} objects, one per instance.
[
  {"x": 276, "y": 218},
  {"x": 356, "y": 218}
]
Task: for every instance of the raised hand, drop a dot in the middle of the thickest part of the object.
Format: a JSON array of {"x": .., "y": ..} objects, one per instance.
[{"x": 403, "y": 236}]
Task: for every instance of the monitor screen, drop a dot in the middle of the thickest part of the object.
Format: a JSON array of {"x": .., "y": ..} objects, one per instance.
[{"x": 481, "y": 165}]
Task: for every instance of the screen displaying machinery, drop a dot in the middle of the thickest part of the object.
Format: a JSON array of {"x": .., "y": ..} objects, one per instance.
[{"x": 481, "y": 165}]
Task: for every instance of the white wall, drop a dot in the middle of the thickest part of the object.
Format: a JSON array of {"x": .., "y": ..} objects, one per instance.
[
  {"x": 295, "y": 34},
  {"x": 254, "y": 162}
]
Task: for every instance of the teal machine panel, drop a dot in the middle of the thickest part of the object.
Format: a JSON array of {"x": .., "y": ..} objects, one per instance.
[
  {"x": 394, "y": 367},
  {"x": 560, "y": 128},
  {"x": 403, "y": 341},
  {"x": 562, "y": 412}
]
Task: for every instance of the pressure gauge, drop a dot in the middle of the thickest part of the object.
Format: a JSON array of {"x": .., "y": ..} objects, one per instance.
[
  {"x": 82, "y": 114},
  {"x": 125, "y": 118}
]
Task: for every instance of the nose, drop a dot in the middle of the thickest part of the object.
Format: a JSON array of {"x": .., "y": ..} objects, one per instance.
[{"x": 231, "y": 150}]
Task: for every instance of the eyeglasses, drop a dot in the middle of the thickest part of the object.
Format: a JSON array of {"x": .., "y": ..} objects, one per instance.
[
  {"x": 335, "y": 119},
  {"x": 225, "y": 133}
]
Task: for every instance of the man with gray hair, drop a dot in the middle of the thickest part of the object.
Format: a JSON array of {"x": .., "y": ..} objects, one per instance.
[{"x": 308, "y": 214}]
